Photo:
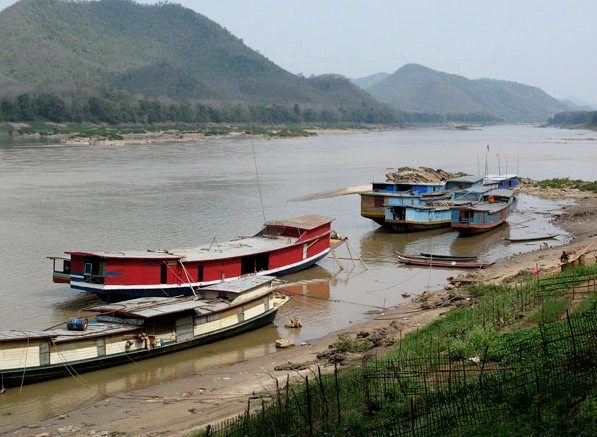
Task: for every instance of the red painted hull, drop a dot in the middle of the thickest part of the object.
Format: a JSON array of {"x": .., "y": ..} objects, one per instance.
[{"x": 280, "y": 248}]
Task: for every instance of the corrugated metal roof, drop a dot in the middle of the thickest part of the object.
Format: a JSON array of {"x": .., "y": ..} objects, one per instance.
[
  {"x": 62, "y": 334},
  {"x": 147, "y": 307},
  {"x": 216, "y": 250},
  {"x": 503, "y": 192},
  {"x": 467, "y": 178},
  {"x": 304, "y": 221}
]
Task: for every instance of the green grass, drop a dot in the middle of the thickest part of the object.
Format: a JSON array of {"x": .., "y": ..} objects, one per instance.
[
  {"x": 567, "y": 183},
  {"x": 536, "y": 388}
]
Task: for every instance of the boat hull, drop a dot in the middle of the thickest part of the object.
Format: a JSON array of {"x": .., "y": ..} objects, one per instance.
[
  {"x": 119, "y": 293},
  {"x": 465, "y": 230},
  {"x": 442, "y": 263},
  {"x": 483, "y": 216},
  {"x": 406, "y": 227}
]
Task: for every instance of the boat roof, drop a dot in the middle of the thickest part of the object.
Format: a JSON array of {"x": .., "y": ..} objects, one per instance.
[
  {"x": 501, "y": 176},
  {"x": 502, "y": 192},
  {"x": 308, "y": 222},
  {"x": 148, "y": 307},
  {"x": 474, "y": 189},
  {"x": 144, "y": 308},
  {"x": 466, "y": 178},
  {"x": 63, "y": 335},
  {"x": 215, "y": 250}
]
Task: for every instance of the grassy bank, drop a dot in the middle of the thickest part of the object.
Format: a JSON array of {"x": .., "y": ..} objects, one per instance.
[
  {"x": 518, "y": 359},
  {"x": 563, "y": 184},
  {"x": 120, "y": 132}
]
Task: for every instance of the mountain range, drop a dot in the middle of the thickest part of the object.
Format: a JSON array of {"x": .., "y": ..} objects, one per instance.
[
  {"x": 170, "y": 53},
  {"x": 415, "y": 88}
]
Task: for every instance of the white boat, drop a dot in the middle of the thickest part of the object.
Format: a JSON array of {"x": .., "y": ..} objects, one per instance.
[{"x": 138, "y": 329}]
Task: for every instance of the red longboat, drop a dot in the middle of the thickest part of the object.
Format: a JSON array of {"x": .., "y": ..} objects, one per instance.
[{"x": 281, "y": 247}]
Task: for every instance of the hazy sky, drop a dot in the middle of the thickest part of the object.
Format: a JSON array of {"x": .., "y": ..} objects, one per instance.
[{"x": 551, "y": 44}]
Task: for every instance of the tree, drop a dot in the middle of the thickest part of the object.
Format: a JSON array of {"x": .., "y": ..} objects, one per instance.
[
  {"x": 51, "y": 107},
  {"x": 26, "y": 111}
]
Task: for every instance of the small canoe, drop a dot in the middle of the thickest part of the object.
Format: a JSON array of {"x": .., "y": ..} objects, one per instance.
[
  {"x": 448, "y": 257},
  {"x": 524, "y": 239},
  {"x": 444, "y": 263}
]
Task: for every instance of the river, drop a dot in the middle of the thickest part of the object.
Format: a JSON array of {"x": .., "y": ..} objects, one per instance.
[{"x": 56, "y": 197}]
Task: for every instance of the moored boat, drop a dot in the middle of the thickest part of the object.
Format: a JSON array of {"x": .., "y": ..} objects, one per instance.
[
  {"x": 372, "y": 202},
  {"x": 448, "y": 257},
  {"x": 430, "y": 212},
  {"x": 442, "y": 262},
  {"x": 492, "y": 210},
  {"x": 497, "y": 181},
  {"x": 138, "y": 329},
  {"x": 281, "y": 247}
]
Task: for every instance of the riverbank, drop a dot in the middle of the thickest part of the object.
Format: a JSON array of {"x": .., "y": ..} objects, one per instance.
[{"x": 182, "y": 406}]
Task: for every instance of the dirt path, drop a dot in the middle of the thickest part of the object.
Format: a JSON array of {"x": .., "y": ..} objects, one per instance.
[{"x": 178, "y": 408}]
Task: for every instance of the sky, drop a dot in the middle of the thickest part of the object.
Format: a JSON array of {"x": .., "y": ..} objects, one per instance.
[{"x": 550, "y": 44}]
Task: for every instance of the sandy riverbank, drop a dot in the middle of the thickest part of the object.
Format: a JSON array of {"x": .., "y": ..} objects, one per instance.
[{"x": 178, "y": 408}]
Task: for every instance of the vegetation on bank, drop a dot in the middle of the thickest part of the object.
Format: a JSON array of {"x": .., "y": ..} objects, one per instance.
[
  {"x": 519, "y": 361},
  {"x": 116, "y": 108},
  {"x": 563, "y": 184},
  {"x": 575, "y": 119},
  {"x": 176, "y": 130}
]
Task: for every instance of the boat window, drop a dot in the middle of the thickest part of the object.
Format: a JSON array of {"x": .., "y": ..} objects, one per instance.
[{"x": 200, "y": 273}]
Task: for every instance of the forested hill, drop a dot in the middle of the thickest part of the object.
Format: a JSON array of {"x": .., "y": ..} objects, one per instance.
[
  {"x": 415, "y": 88},
  {"x": 159, "y": 52}
]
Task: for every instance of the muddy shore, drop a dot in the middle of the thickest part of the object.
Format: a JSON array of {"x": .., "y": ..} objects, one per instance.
[{"x": 180, "y": 407}]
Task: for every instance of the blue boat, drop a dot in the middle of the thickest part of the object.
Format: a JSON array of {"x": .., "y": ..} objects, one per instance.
[
  {"x": 372, "y": 202},
  {"x": 507, "y": 181},
  {"x": 475, "y": 217},
  {"x": 402, "y": 216},
  {"x": 409, "y": 194}
]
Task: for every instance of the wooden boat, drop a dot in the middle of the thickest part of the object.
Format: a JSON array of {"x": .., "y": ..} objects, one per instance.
[
  {"x": 531, "y": 238},
  {"x": 279, "y": 248},
  {"x": 372, "y": 202},
  {"x": 445, "y": 263},
  {"x": 403, "y": 194},
  {"x": 448, "y": 257},
  {"x": 476, "y": 217},
  {"x": 431, "y": 214},
  {"x": 138, "y": 329}
]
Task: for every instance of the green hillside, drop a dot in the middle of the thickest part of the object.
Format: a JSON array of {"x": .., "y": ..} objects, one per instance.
[
  {"x": 414, "y": 88},
  {"x": 116, "y": 61},
  {"x": 159, "y": 52}
]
